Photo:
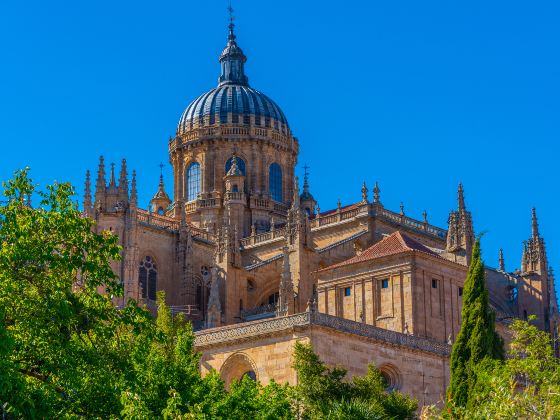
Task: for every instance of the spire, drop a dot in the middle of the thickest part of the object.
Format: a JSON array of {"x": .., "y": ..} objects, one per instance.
[
  {"x": 534, "y": 223},
  {"x": 286, "y": 290},
  {"x": 112, "y": 182},
  {"x": 295, "y": 204},
  {"x": 461, "y": 197},
  {"x": 305, "y": 180},
  {"x": 87, "y": 194},
  {"x": 502, "y": 266},
  {"x": 123, "y": 174},
  {"x": 100, "y": 184},
  {"x": 133, "y": 192},
  {"x": 376, "y": 193},
  {"x": 101, "y": 174},
  {"x": 161, "y": 177},
  {"x": 232, "y": 59},
  {"x": 364, "y": 193}
]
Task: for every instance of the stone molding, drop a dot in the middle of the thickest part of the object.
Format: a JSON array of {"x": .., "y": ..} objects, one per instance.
[{"x": 249, "y": 330}]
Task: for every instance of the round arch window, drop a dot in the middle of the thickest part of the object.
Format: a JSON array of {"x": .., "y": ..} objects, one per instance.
[{"x": 391, "y": 376}]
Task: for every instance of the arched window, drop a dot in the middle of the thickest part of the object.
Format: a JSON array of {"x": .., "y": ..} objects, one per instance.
[
  {"x": 275, "y": 182},
  {"x": 240, "y": 165},
  {"x": 161, "y": 211},
  {"x": 193, "y": 181},
  {"x": 147, "y": 277}
]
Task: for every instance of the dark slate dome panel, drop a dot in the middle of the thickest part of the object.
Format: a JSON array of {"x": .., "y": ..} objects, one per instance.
[{"x": 239, "y": 101}]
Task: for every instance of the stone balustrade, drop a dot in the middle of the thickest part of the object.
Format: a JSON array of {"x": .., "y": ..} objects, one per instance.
[
  {"x": 163, "y": 222},
  {"x": 203, "y": 133},
  {"x": 251, "y": 330},
  {"x": 157, "y": 220},
  {"x": 263, "y": 237}
]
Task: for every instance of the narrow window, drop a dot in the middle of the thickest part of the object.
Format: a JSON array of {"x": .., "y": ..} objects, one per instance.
[
  {"x": 434, "y": 284},
  {"x": 347, "y": 291},
  {"x": 385, "y": 283},
  {"x": 275, "y": 182},
  {"x": 460, "y": 291},
  {"x": 525, "y": 317},
  {"x": 193, "y": 181},
  {"x": 147, "y": 278}
]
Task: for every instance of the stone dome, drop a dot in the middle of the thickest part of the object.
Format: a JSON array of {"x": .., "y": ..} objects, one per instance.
[{"x": 233, "y": 101}]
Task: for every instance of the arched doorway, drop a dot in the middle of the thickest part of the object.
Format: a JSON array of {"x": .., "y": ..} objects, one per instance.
[{"x": 236, "y": 367}]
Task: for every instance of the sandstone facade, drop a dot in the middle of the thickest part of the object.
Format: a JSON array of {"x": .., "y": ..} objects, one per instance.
[{"x": 256, "y": 265}]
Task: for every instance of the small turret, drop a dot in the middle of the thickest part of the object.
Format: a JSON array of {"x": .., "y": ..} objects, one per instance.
[
  {"x": 160, "y": 202},
  {"x": 307, "y": 202},
  {"x": 460, "y": 234}
]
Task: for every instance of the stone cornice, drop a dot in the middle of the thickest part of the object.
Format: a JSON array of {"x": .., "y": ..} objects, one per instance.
[{"x": 251, "y": 330}]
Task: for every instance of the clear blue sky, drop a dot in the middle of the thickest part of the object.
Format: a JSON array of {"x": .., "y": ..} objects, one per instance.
[{"x": 416, "y": 95}]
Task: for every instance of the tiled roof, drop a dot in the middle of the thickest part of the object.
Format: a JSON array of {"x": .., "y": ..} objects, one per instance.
[{"x": 393, "y": 244}]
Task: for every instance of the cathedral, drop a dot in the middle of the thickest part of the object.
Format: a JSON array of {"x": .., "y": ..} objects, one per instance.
[{"x": 254, "y": 263}]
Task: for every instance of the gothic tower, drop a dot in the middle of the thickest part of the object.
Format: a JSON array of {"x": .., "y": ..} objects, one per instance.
[{"x": 460, "y": 234}]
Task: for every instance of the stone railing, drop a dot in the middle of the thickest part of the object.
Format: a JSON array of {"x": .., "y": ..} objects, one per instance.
[
  {"x": 202, "y": 133},
  {"x": 340, "y": 215},
  {"x": 263, "y": 237},
  {"x": 411, "y": 223},
  {"x": 259, "y": 310},
  {"x": 249, "y": 330},
  {"x": 381, "y": 334},
  {"x": 201, "y": 203},
  {"x": 172, "y": 225},
  {"x": 238, "y": 196},
  {"x": 156, "y": 220}
]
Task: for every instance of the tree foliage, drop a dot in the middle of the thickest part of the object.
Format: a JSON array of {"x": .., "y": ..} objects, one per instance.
[
  {"x": 66, "y": 351},
  {"x": 477, "y": 340},
  {"x": 323, "y": 393},
  {"x": 526, "y": 385}
]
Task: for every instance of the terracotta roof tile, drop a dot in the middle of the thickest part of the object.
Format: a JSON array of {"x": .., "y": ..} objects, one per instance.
[{"x": 393, "y": 244}]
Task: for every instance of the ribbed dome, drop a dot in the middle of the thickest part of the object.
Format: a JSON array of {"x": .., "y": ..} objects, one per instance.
[
  {"x": 233, "y": 101},
  {"x": 239, "y": 101}
]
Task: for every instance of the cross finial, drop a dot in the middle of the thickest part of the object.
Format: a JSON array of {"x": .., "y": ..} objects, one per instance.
[
  {"x": 305, "y": 170},
  {"x": 161, "y": 168},
  {"x": 231, "y": 25}
]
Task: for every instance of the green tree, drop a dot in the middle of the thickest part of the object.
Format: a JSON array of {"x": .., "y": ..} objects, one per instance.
[
  {"x": 60, "y": 346},
  {"x": 66, "y": 351},
  {"x": 322, "y": 392},
  {"x": 477, "y": 339},
  {"x": 526, "y": 385}
]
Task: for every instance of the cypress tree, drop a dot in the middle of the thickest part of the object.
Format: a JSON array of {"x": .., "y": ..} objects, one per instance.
[{"x": 477, "y": 340}]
